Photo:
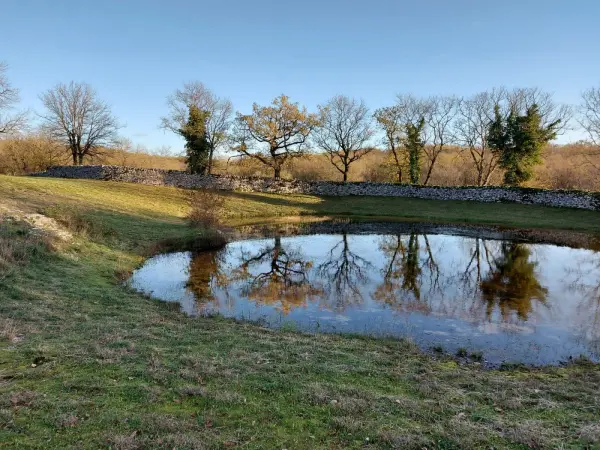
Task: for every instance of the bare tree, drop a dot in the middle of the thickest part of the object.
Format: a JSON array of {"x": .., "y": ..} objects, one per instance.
[
  {"x": 123, "y": 150},
  {"x": 477, "y": 112},
  {"x": 590, "y": 116},
  {"x": 471, "y": 131},
  {"x": 440, "y": 113},
  {"x": 520, "y": 99},
  {"x": 344, "y": 129},
  {"x": 273, "y": 134},
  {"x": 76, "y": 117},
  {"x": 219, "y": 110},
  {"x": 10, "y": 121},
  {"x": 162, "y": 150}
]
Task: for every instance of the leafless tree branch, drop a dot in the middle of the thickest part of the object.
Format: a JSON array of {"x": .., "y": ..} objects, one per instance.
[
  {"x": 589, "y": 114},
  {"x": 343, "y": 132},
  {"x": 440, "y": 113},
  {"x": 11, "y": 122},
  {"x": 77, "y": 118},
  {"x": 220, "y": 111}
]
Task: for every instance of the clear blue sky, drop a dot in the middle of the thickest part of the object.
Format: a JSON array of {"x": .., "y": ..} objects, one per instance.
[{"x": 135, "y": 52}]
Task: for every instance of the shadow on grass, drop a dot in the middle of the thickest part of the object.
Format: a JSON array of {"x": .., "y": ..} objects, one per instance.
[
  {"x": 142, "y": 234},
  {"x": 450, "y": 211}
]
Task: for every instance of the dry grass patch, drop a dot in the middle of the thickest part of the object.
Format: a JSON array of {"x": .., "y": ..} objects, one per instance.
[
  {"x": 8, "y": 329},
  {"x": 18, "y": 245}
]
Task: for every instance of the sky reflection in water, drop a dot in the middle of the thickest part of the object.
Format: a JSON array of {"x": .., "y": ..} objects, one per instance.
[{"x": 530, "y": 303}]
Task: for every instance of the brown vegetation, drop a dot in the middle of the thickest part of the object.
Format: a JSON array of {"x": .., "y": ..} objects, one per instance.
[
  {"x": 564, "y": 166},
  {"x": 18, "y": 244},
  {"x": 23, "y": 155},
  {"x": 29, "y": 154},
  {"x": 206, "y": 208}
]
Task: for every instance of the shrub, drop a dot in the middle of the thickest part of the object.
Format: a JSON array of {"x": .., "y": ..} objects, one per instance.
[
  {"x": 206, "y": 208},
  {"x": 138, "y": 157},
  {"x": 29, "y": 154}
]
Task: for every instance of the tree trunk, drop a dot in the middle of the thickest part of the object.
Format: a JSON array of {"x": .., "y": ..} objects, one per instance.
[
  {"x": 210, "y": 161},
  {"x": 429, "y": 171},
  {"x": 80, "y": 159},
  {"x": 277, "y": 172},
  {"x": 346, "y": 175},
  {"x": 480, "y": 177},
  {"x": 74, "y": 158}
]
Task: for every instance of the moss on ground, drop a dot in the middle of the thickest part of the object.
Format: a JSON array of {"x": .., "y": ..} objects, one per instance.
[{"x": 88, "y": 363}]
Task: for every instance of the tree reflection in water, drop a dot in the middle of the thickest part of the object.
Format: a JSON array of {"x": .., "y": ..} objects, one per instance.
[
  {"x": 507, "y": 280},
  {"x": 550, "y": 293},
  {"x": 205, "y": 271},
  {"x": 473, "y": 271},
  {"x": 346, "y": 273},
  {"x": 583, "y": 279},
  {"x": 495, "y": 275},
  {"x": 512, "y": 284},
  {"x": 276, "y": 275},
  {"x": 402, "y": 273}
]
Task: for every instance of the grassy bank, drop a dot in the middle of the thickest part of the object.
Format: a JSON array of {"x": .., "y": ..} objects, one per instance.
[
  {"x": 108, "y": 202},
  {"x": 85, "y": 362}
]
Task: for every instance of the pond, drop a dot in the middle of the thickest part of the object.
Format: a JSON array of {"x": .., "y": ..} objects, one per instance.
[{"x": 505, "y": 300}]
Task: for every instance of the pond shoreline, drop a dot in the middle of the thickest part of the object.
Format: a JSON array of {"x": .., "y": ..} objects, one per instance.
[
  {"x": 491, "y": 236},
  {"x": 295, "y": 225}
]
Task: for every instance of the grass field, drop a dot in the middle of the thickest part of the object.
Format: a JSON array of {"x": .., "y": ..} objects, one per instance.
[{"x": 87, "y": 363}]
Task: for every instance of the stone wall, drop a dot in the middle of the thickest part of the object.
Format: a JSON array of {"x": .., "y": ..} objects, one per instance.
[{"x": 157, "y": 177}]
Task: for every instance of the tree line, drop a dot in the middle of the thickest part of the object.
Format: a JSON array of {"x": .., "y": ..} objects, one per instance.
[{"x": 500, "y": 129}]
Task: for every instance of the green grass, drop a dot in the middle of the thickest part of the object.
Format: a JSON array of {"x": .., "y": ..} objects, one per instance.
[
  {"x": 88, "y": 363},
  {"x": 165, "y": 206}
]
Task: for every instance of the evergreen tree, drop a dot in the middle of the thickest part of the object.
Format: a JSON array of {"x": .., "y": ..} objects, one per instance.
[
  {"x": 518, "y": 140},
  {"x": 414, "y": 146},
  {"x": 197, "y": 146}
]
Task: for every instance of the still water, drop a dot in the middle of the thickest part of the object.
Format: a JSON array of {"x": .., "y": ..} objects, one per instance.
[{"x": 514, "y": 302}]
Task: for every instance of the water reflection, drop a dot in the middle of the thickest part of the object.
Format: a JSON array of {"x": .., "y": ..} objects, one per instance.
[
  {"x": 345, "y": 273},
  {"x": 513, "y": 301},
  {"x": 206, "y": 270},
  {"x": 511, "y": 283},
  {"x": 274, "y": 274},
  {"x": 404, "y": 268}
]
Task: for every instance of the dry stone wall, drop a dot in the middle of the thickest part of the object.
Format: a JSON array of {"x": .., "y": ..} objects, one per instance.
[{"x": 157, "y": 177}]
